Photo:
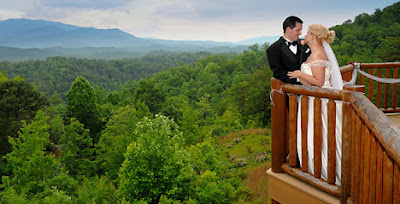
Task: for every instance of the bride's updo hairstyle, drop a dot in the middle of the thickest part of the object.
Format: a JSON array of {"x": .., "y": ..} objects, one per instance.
[{"x": 322, "y": 33}]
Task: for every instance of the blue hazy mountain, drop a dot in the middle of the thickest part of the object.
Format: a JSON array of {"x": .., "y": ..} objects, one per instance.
[
  {"x": 24, "y": 39},
  {"x": 259, "y": 40},
  {"x": 26, "y": 33}
]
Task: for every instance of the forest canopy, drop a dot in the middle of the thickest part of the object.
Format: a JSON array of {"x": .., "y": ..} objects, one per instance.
[{"x": 148, "y": 130}]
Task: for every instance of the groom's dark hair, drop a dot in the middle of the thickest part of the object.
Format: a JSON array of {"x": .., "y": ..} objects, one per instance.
[{"x": 291, "y": 22}]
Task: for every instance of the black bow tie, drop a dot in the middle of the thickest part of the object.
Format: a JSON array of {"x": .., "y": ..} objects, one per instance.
[{"x": 294, "y": 43}]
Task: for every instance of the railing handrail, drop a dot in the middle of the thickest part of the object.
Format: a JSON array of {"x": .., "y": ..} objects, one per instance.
[
  {"x": 313, "y": 91},
  {"x": 380, "y": 65}
]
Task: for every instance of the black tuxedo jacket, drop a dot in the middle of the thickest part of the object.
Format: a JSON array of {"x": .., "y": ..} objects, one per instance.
[{"x": 282, "y": 59}]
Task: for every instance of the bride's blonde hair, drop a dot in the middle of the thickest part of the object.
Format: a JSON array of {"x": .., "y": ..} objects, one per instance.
[{"x": 322, "y": 33}]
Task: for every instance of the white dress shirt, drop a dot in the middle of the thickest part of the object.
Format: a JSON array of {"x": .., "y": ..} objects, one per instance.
[{"x": 293, "y": 48}]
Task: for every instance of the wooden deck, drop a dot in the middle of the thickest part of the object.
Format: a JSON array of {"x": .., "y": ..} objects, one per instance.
[
  {"x": 370, "y": 146},
  {"x": 395, "y": 117}
]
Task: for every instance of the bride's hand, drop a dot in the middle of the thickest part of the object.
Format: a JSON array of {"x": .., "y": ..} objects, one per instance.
[{"x": 295, "y": 74}]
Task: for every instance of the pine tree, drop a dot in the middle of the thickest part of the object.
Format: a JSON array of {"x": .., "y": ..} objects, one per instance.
[{"x": 82, "y": 105}]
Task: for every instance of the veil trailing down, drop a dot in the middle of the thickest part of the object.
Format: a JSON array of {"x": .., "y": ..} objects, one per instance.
[{"x": 336, "y": 77}]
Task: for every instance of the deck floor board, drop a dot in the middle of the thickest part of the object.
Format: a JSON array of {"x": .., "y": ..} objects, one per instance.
[{"x": 395, "y": 118}]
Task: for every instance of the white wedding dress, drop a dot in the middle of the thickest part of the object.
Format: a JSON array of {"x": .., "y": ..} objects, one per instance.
[{"x": 306, "y": 68}]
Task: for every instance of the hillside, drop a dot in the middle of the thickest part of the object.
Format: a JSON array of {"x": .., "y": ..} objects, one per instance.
[
  {"x": 369, "y": 38},
  {"x": 55, "y": 74}
]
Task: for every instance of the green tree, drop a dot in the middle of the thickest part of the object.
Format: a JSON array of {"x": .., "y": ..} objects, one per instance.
[
  {"x": 3, "y": 76},
  {"x": 211, "y": 189},
  {"x": 156, "y": 163},
  {"x": 34, "y": 171},
  {"x": 96, "y": 190},
  {"x": 389, "y": 50},
  {"x": 18, "y": 101},
  {"x": 82, "y": 105},
  {"x": 118, "y": 134},
  {"x": 149, "y": 94},
  {"x": 258, "y": 110},
  {"x": 76, "y": 146}
]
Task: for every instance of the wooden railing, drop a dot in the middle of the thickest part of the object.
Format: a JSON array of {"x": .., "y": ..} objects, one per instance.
[
  {"x": 370, "y": 142},
  {"x": 284, "y": 133},
  {"x": 385, "y": 96},
  {"x": 371, "y": 153}
]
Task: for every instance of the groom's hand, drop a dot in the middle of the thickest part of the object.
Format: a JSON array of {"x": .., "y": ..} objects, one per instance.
[{"x": 295, "y": 74}]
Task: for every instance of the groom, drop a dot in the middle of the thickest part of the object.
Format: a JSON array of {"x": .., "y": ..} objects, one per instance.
[{"x": 287, "y": 54}]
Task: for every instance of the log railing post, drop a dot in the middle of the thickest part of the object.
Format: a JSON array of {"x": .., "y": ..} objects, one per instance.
[
  {"x": 278, "y": 126},
  {"x": 346, "y": 149}
]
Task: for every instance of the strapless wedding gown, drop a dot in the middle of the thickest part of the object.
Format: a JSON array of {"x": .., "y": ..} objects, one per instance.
[{"x": 306, "y": 68}]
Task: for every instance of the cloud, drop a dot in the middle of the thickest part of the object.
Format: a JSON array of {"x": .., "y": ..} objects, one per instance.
[
  {"x": 4, "y": 14},
  {"x": 219, "y": 20},
  {"x": 93, "y": 4}
]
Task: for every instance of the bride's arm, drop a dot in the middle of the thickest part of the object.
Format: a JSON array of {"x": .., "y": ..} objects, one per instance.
[
  {"x": 316, "y": 79},
  {"x": 304, "y": 82}
]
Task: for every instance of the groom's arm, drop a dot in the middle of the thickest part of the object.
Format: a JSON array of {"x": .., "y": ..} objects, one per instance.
[{"x": 274, "y": 58}]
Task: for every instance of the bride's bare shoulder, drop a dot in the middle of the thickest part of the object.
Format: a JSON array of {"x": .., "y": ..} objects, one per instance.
[
  {"x": 320, "y": 56},
  {"x": 319, "y": 63}
]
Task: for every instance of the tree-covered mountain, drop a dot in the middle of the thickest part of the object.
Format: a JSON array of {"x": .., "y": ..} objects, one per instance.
[
  {"x": 167, "y": 123},
  {"x": 13, "y": 54},
  {"x": 55, "y": 74},
  {"x": 369, "y": 38}
]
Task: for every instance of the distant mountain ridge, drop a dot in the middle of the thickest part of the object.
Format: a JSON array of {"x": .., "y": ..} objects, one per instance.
[
  {"x": 25, "y": 39},
  {"x": 260, "y": 40},
  {"x": 26, "y": 33}
]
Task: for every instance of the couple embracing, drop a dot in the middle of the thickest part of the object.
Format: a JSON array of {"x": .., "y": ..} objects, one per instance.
[{"x": 313, "y": 64}]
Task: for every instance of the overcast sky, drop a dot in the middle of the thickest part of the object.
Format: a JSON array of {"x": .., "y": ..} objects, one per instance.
[{"x": 215, "y": 20}]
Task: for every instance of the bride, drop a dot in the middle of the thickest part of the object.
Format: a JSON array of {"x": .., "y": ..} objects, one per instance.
[{"x": 321, "y": 69}]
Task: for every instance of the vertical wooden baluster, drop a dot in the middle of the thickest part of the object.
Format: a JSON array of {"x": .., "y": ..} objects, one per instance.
[
  {"x": 362, "y": 78},
  {"x": 379, "y": 174},
  {"x": 287, "y": 130},
  {"x": 331, "y": 141},
  {"x": 346, "y": 149},
  {"x": 387, "y": 75},
  {"x": 394, "y": 98},
  {"x": 304, "y": 126},
  {"x": 372, "y": 171},
  {"x": 362, "y": 143},
  {"x": 354, "y": 152},
  {"x": 357, "y": 154},
  {"x": 317, "y": 137},
  {"x": 370, "y": 86},
  {"x": 387, "y": 179},
  {"x": 366, "y": 168},
  {"x": 396, "y": 185},
  {"x": 292, "y": 130},
  {"x": 379, "y": 89}
]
